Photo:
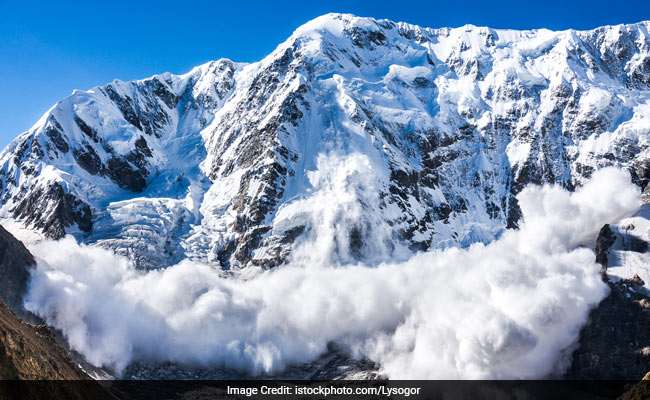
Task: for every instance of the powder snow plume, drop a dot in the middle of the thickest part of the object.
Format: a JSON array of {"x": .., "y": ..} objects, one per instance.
[{"x": 509, "y": 309}]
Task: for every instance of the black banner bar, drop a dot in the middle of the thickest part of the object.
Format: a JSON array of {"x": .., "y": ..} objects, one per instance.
[{"x": 348, "y": 390}]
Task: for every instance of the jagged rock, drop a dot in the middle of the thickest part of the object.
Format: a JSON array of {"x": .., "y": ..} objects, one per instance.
[
  {"x": 640, "y": 391},
  {"x": 15, "y": 264},
  {"x": 29, "y": 352},
  {"x": 636, "y": 281},
  {"x": 605, "y": 240},
  {"x": 52, "y": 210},
  {"x": 615, "y": 343}
]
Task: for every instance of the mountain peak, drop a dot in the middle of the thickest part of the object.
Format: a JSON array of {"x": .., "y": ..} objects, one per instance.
[{"x": 332, "y": 22}]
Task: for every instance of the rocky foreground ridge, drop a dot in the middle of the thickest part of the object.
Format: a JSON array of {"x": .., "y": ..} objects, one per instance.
[{"x": 28, "y": 351}]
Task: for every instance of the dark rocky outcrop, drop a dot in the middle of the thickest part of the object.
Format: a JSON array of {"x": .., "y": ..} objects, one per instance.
[
  {"x": 605, "y": 240},
  {"x": 640, "y": 391},
  {"x": 52, "y": 209},
  {"x": 336, "y": 363},
  {"x": 88, "y": 159},
  {"x": 615, "y": 343},
  {"x": 15, "y": 264},
  {"x": 30, "y": 352},
  {"x": 127, "y": 177},
  {"x": 54, "y": 131}
]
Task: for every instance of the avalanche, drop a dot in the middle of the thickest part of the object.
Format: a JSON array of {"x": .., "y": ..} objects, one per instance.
[
  {"x": 509, "y": 309},
  {"x": 393, "y": 174}
]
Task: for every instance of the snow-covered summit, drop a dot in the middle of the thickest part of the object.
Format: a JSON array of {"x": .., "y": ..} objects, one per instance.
[{"x": 413, "y": 136}]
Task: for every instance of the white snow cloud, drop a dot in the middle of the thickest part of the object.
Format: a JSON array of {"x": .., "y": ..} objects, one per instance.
[{"x": 508, "y": 309}]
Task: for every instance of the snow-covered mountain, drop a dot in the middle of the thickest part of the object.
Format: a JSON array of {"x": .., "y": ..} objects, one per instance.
[{"x": 432, "y": 131}]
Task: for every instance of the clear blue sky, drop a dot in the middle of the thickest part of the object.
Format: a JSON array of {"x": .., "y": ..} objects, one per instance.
[{"x": 47, "y": 49}]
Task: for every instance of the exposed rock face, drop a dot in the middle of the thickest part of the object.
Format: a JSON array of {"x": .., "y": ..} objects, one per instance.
[
  {"x": 615, "y": 344},
  {"x": 333, "y": 365},
  {"x": 639, "y": 391},
  {"x": 605, "y": 240},
  {"x": 456, "y": 121},
  {"x": 52, "y": 210},
  {"x": 15, "y": 262},
  {"x": 31, "y": 352}
]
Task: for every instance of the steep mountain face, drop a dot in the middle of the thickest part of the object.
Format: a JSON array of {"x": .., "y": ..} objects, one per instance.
[
  {"x": 430, "y": 131},
  {"x": 614, "y": 344},
  {"x": 15, "y": 264}
]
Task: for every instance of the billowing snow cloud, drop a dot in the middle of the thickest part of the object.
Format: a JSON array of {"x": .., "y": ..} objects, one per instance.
[{"x": 509, "y": 309}]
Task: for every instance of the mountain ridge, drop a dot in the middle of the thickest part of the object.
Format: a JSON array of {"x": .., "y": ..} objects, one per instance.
[{"x": 435, "y": 111}]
